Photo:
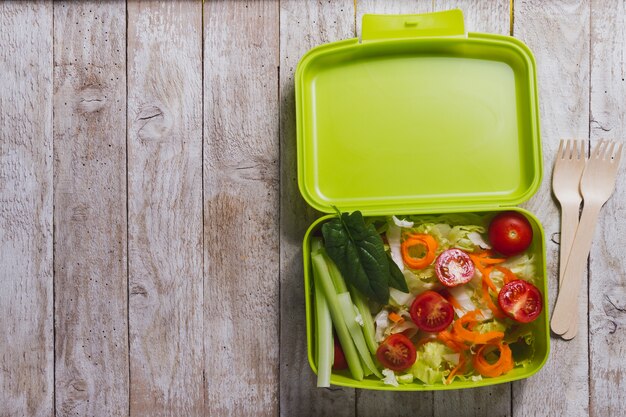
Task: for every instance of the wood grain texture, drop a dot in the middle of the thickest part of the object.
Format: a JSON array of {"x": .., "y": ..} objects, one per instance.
[
  {"x": 91, "y": 346},
  {"x": 26, "y": 296},
  {"x": 493, "y": 16},
  {"x": 378, "y": 403},
  {"x": 165, "y": 208},
  {"x": 607, "y": 266},
  {"x": 390, "y": 7},
  {"x": 241, "y": 186},
  {"x": 558, "y": 35},
  {"x": 192, "y": 349},
  {"x": 303, "y": 25},
  {"x": 488, "y": 17}
]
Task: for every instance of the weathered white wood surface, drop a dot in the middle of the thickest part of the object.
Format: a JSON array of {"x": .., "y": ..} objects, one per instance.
[
  {"x": 177, "y": 221},
  {"x": 26, "y": 297},
  {"x": 91, "y": 343},
  {"x": 607, "y": 266},
  {"x": 241, "y": 203},
  {"x": 165, "y": 208},
  {"x": 303, "y": 25},
  {"x": 558, "y": 34}
]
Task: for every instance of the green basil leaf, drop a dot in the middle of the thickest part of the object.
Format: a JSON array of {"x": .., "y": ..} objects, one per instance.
[
  {"x": 358, "y": 251},
  {"x": 396, "y": 276}
]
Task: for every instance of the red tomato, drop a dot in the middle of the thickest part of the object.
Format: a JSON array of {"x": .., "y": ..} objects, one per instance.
[
  {"x": 520, "y": 300},
  {"x": 396, "y": 352},
  {"x": 431, "y": 312},
  {"x": 510, "y": 233},
  {"x": 339, "y": 362},
  {"x": 454, "y": 267}
]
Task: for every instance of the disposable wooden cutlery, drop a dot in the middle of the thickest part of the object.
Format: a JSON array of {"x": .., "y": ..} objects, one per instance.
[
  {"x": 596, "y": 185},
  {"x": 568, "y": 169}
]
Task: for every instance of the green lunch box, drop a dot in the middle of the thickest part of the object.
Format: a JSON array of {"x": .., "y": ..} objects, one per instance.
[{"x": 419, "y": 117}]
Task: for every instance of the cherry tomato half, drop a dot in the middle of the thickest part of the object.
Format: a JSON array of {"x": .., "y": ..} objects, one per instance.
[
  {"x": 454, "y": 267},
  {"x": 431, "y": 312},
  {"x": 340, "y": 359},
  {"x": 520, "y": 300},
  {"x": 510, "y": 233},
  {"x": 396, "y": 352}
]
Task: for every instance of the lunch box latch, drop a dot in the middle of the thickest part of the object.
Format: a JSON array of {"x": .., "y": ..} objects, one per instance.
[{"x": 378, "y": 27}]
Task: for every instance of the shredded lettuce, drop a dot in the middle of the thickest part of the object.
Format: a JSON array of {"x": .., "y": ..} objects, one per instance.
[
  {"x": 393, "y": 237},
  {"x": 420, "y": 281},
  {"x": 402, "y": 223},
  {"x": 465, "y": 231},
  {"x": 459, "y": 236},
  {"x": 432, "y": 353},
  {"x": 390, "y": 378},
  {"x": 523, "y": 266},
  {"x": 491, "y": 326},
  {"x": 463, "y": 294},
  {"x": 398, "y": 298},
  {"x": 452, "y": 358},
  {"x": 522, "y": 344},
  {"x": 429, "y": 366},
  {"x": 473, "y": 378},
  {"x": 478, "y": 240},
  {"x": 407, "y": 327},
  {"x": 427, "y": 374},
  {"x": 382, "y": 322},
  {"x": 405, "y": 378}
]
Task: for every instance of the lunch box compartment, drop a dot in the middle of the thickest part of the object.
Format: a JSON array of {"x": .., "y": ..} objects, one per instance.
[{"x": 540, "y": 326}]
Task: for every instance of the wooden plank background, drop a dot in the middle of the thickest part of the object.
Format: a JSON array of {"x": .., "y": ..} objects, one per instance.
[
  {"x": 165, "y": 275},
  {"x": 90, "y": 218},
  {"x": 151, "y": 224},
  {"x": 26, "y": 288}
]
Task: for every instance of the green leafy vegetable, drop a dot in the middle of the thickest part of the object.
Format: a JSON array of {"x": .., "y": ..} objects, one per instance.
[
  {"x": 396, "y": 277},
  {"x": 359, "y": 253}
]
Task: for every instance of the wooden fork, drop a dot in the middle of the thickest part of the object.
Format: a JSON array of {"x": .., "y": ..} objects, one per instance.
[
  {"x": 596, "y": 185},
  {"x": 568, "y": 168}
]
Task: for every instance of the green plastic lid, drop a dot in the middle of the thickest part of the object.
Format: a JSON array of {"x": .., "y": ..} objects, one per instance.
[{"x": 417, "y": 117}]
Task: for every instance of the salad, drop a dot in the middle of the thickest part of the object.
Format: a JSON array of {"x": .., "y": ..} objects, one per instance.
[{"x": 424, "y": 299}]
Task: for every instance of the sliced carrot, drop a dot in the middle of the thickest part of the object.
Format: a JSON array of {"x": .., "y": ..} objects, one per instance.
[
  {"x": 413, "y": 240},
  {"x": 492, "y": 261},
  {"x": 395, "y": 317},
  {"x": 452, "y": 300},
  {"x": 503, "y": 365},
  {"x": 478, "y": 262},
  {"x": 508, "y": 274},
  {"x": 487, "y": 298},
  {"x": 451, "y": 341},
  {"x": 488, "y": 284},
  {"x": 488, "y": 255},
  {"x": 486, "y": 272},
  {"x": 483, "y": 259},
  {"x": 455, "y": 370},
  {"x": 470, "y": 336}
]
